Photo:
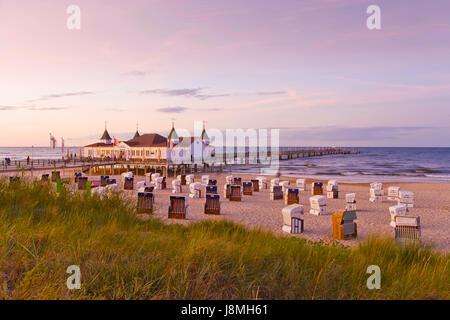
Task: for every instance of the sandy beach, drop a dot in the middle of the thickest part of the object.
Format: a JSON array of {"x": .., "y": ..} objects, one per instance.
[{"x": 432, "y": 204}]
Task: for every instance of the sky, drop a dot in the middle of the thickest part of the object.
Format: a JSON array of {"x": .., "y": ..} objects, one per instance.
[{"x": 310, "y": 68}]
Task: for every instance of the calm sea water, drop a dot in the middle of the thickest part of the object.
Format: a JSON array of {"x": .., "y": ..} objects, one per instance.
[
  {"x": 372, "y": 164},
  {"x": 21, "y": 153}
]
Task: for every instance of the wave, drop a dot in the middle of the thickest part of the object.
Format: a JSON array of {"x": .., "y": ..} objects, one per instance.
[{"x": 440, "y": 176}]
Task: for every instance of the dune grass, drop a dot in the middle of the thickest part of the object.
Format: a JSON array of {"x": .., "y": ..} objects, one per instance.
[{"x": 123, "y": 257}]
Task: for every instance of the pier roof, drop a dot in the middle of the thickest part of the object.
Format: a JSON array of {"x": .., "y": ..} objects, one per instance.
[
  {"x": 105, "y": 136},
  {"x": 148, "y": 140}
]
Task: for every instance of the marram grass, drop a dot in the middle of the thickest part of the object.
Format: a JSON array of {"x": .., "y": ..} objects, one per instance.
[{"x": 122, "y": 257}]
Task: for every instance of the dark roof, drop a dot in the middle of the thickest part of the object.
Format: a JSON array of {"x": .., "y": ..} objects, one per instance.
[
  {"x": 100, "y": 144},
  {"x": 148, "y": 140},
  {"x": 204, "y": 135},
  {"x": 173, "y": 134},
  {"x": 105, "y": 136},
  {"x": 136, "y": 134}
]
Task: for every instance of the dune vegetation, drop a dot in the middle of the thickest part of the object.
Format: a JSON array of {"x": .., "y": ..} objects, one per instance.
[{"x": 42, "y": 232}]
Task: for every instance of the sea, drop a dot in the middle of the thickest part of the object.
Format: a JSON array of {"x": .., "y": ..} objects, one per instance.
[{"x": 371, "y": 164}]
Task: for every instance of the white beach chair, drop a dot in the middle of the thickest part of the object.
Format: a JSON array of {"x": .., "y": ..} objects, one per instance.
[
  {"x": 292, "y": 222},
  {"x": 190, "y": 179},
  {"x": 393, "y": 193},
  {"x": 398, "y": 210},
  {"x": 318, "y": 205},
  {"x": 301, "y": 184},
  {"x": 176, "y": 186},
  {"x": 205, "y": 179},
  {"x": 406, "y": 198},
  {"x": 195, "y": 190},
  {"x": 140, "y": 184},
  {"x": 159, "y": 183}
]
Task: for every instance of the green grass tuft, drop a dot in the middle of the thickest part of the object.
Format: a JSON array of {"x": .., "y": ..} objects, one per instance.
[{"x": 122, "y": 257}]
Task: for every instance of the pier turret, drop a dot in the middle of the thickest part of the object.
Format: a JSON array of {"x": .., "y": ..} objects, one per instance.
[
  {"x": 106, "y": 138},
  {"x": 173, "y": 139}
]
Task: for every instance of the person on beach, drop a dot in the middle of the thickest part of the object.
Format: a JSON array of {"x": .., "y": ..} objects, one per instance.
[{"x": 28, "y": 160}]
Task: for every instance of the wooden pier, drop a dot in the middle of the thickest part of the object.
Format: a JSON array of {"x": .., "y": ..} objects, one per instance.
[{"x": 140, "y": 166}]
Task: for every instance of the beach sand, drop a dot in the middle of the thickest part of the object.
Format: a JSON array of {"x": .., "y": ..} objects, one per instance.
[{"x": 432, "y": 204}]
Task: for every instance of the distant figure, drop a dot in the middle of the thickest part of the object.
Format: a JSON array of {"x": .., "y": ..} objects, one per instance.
[{"x": 28, "y": 160}]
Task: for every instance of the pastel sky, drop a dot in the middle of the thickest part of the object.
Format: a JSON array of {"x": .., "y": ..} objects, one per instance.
[{"x": 309, "y": 67}]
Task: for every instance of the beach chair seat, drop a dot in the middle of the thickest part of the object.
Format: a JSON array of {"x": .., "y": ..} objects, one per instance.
[
  {"x": 211, "y": 190},
  {"x": 398, "y": 210},
  {"x": 237, "y": 181},
  {"x": 332, "y": 192},
  {"x": 112, "y": 189},
  {"x": 212, "y": 182},
  {"x": 145, "y": 202},
  {"x": 406, "y": 198},
  {"x": 247, "y": 188},
  {"x": 56, "y": 175},
  {"x": 176, "y": 186},
  {"x": 155, "y": 177},
  {"x": 179, "y": 207},
  {"x": 190, "y": 178},
  {"x": 140, "y": 184},
  {"x": 212, "y": 204},
  {"x": 343, "y": 225},
  {"x": 255, "y": 184},
  {"x": 301, "y": 184},
  {"x": 407, "y": 229},
  {"x": 235, "y": 193},
  {"x": 393, "y": 193},
  {"x": 292, "y": 196},
  {"x": 103, "y": 180},
  {"x": 376, "y": 195},
  {"x": 276, "y": 193},
  {"x": 128, "y": 183},
  {"x": 111, "y": 181},
  {"x": 262, "y": 182},
  {"x": 205, "y": 179},
  {"x": 45, "y": 177},
  {"x": 82, "y": 181},
  {"x": 100, "y": 191},
  {"x": 317, "y": 188},
  {"x": 350, "y": 202},
  {"x": 149, "y": 188},
  {"x": 195, "y": 190},
  {"x": 292, "y": 221},
  {"x": 318, "y": 205}
]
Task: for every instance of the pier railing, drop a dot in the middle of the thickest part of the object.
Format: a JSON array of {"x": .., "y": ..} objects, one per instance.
[{"x": 88, "y": 163}]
